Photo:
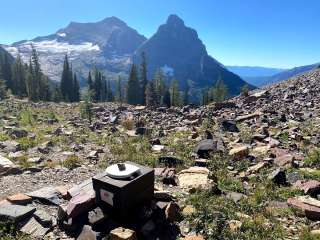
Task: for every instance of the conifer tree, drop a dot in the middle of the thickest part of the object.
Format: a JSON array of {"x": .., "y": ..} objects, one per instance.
[
  {"x": 90, "y": 82},
  {"x": 6, "y": 71},
  {"x": 186, "y": 94},
  {"x": 19, "y": 78},
  {"x": 119, "y": 95},
  {"x": 66, "y": 83},
  {"x": 104, "y": 90},
  {"x": 56, "y": 94},
  {"x": 76, "y": 89},
  {"x": 151, "y": 96},
  {"x": 166, "y": 98},
  {"x": 3, "y": 91},
  {"x": 143, "y": 78},
  {"x": 175, "y": 94},
  {"x": 109, "y": 92},
  {"x": 160, "y": 87},
  {"x": 133, "y": 88},
  {"x": 219, "y": 91},
  {"x": 97, "y": 85}
]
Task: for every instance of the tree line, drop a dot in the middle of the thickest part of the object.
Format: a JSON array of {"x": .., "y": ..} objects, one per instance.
[{"x": 27, "y": 80}]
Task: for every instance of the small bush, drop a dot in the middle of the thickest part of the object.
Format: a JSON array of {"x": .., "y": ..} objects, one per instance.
[
  {"x": 313, "y": 159},
  {"x": 128, "y": 123},
  {"x": 27, "y": 118},
  {"x": 71, "y": 162}
]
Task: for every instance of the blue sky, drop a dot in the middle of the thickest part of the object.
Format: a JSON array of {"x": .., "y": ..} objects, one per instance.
[{"x": 272, "y": 33}]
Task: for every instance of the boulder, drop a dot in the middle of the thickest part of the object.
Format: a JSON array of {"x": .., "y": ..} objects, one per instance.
[
  {"x": 18, "y": 133},
  {"x": 208, "y": 146},
  {"x": 80, "y": 204},
  {"x": 239, "y": 152},
  {"x": 15, "y": 213},
  {"x": 278, "y": 176},
  {"x": 123, "y": 234},
  {"x": 229, "y": 126},
  {"x": 10, "y": 146},
  {"x": 194, "y": 177},
  {"x": 47, "y": 194},
  {"x": 311, "y": 187},
  {"x": 35, "y": 229},
  {"x": 20, "y": 199},
  {"x": 87, "y": 233},
  {"x": 43, "y": 218},
  {"x": 173, "y": 212},
  {"x": 7, "y": 167},
  {"x": 309, "y": 206}
]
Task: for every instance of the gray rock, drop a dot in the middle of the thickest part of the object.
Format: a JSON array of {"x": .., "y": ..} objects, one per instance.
[
  {"x": 43, "y": 217},
  {"x": 229, "y": 126},
  {"x": 35, "y": 229},
  {"x": 46, "y": 194},
  {"x": 6, "y": 166},
  {"x": 15, "y": 213},
  {"x": 208, "y": 146},
  {"x": 87, "y": 233},
  {"x": 10, "y": 146},
  {"x": 278, "y": 176}
]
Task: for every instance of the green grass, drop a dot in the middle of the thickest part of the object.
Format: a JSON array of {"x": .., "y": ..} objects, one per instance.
[
  {"x": 71, "y": 162},
  {"x": 313, "y": 159},
  {"x": 135, "y": 149}
]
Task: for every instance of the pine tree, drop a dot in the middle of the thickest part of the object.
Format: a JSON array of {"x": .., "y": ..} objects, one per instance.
[
  {"x": 175, "y": 94},
  {"x": 76, "y": 89},
  {"x": 45, "y": 91},
  {"x": 36, "y": 75},
  {"x": 56, "y": 95},
  {"x": 133, "y": 88},
  {"x": 119, "y": 95},
  {"x": 19, "y": 78},
  {"x": 86, "y": 106},
  {"x": 90, "y": 82},
  {"x": 66, "y": 83},
  {"x": 104, "y": 90},
  {"x": 219, "y": 91},
  {"x": 160, "y": 87},
  {"x": 186, "y": 93},
  {"x": 166, "y": 98},
  {"x": 6, "y": 71},
  {"x": 110, "y": 96},
  {"x": 3, "y": 91},
  {"x": 151, "y": 96},
  {"x": 205, "y": 97},
  {"x": 97, "y": 85},
  {"x": 144, "y": 78}
]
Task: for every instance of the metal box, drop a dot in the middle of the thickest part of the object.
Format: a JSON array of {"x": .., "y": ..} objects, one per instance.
[{"x": 120, "y": 197}]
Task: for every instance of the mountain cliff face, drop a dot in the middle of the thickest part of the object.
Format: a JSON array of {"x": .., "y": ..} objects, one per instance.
[
  {"x": 111, "y": 45},
  {"x": 108, "y": 44},
  {"x": 180, "y": 53}
]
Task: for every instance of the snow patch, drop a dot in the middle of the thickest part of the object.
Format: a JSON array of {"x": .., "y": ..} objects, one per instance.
[
  {"x": 62, "y": 34},
  {"x": 168, "y": 71},
  {"x": 53, "y": 46}
]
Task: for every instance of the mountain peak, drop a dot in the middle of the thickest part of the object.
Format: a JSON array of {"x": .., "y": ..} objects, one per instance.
[
  {"x": 113, "y": 20},
  {"x": 175, "y": 20}
]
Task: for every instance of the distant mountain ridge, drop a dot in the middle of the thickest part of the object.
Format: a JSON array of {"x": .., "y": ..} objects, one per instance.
[
  {"x": 255, "y": 71},
  {"x": 112, "y": 46},
  {"x": 261, "y": 76}
]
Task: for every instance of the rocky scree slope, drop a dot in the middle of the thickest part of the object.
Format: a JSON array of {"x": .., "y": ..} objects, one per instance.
[{"x": 249, "y": 164}]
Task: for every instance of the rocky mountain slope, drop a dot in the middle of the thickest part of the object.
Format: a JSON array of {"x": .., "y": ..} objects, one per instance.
[
  {"x": 247, "y": 168},
  {"x": 108, "y": 44},
  {"x": 111, "y": 46},
  {"x": 178, "y": 51}
]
